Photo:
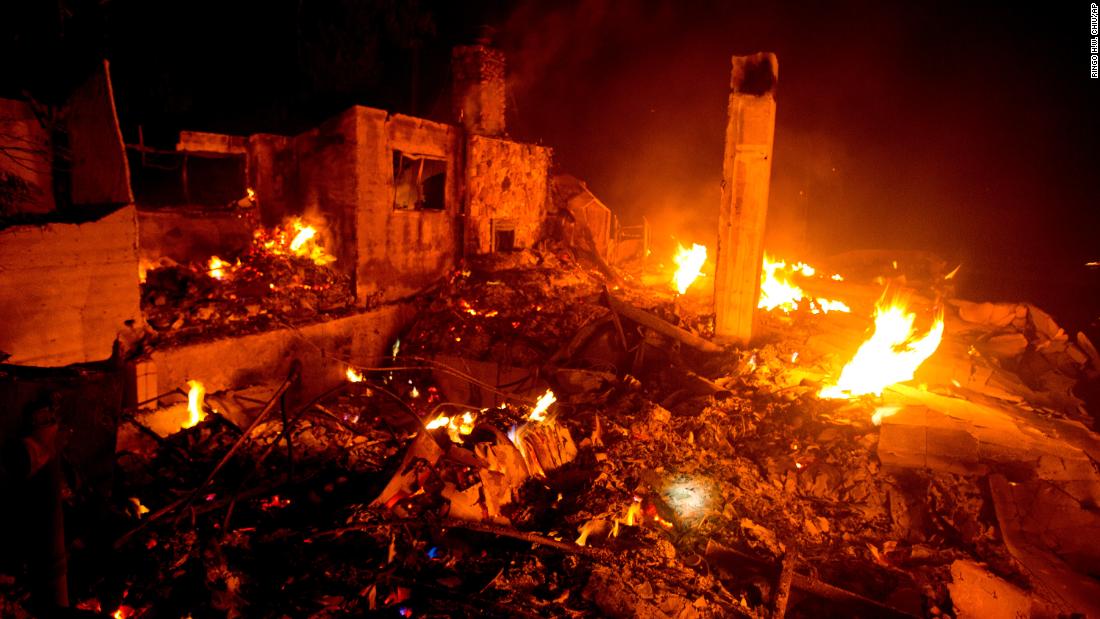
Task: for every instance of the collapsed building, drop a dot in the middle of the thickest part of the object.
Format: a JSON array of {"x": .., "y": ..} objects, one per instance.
[{"x": 424, "y": 373}]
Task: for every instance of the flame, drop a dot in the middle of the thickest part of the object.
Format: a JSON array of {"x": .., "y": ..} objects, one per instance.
[
  {"x": 545, "y": 400},
  {"x": 777, "y": 291},
  {"x": 586, "y": 530},
  {"x": 438, "y": 422},
  {"x": 828, "y": 305},
  {"x": 353, "y": 375},
  {"x": 633, "y": 514},
  {"x": 891, "y": 355},
  {"x": 196, "y": 395},
  {"x": 298, "y": 238},
  {"x": 216, "y": 267},
  {"x": 305, "y": 234},
  {"x": 688, "y": 263},
  {"x": 457, "y": 426}
]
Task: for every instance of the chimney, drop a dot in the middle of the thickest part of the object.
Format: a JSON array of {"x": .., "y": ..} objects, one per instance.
[{"x": 478, "y": 80}]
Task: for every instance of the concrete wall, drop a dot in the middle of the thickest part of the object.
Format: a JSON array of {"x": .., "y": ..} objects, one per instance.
[
  {"x": 505, "y": 180},
  {"x": 345, "y": 176},
  {"x": 273, "y": 175},
  {"x": 237, "y": 362},
  {"x": 403, "y": 251},
  {"x": 67, "y": 290}
]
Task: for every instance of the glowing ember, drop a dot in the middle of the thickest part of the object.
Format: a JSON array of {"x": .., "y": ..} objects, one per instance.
[
  {"x": 353, "y": 376},
  {"x": 196, "y": 395},
  {"x": 545, "y": 400},
  {"x": 469, "y": 309},
  {"x": 688, "y": 263},
  {"x": 891, "y": 355}
]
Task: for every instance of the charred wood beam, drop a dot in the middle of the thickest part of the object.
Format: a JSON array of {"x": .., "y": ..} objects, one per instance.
[{"x": 661, "y": 326}]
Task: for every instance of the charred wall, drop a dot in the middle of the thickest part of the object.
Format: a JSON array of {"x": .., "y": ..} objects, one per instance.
[{"x": 508, "y": 192}]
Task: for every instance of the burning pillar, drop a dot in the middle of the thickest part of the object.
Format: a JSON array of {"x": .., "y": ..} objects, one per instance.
[
  {"x": 478, "y": 78},
  {"x": 746, "y": 172}
]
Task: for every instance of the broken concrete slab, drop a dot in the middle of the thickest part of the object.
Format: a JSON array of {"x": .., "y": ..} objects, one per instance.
[
  {"x": 978, "y": 594},
  {"x": 1034, "y": 519}
]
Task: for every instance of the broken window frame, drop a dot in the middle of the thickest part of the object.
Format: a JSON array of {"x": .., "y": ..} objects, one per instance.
[{"x": 406, "y": 160}]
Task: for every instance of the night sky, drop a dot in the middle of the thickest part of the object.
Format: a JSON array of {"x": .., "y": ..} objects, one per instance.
[{"x": 968, "y": 130}]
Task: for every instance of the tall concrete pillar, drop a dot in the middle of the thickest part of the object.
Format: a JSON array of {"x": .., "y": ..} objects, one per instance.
[
  {"x": 746, "y": 173},
  {"x": 478, "y": 79}
]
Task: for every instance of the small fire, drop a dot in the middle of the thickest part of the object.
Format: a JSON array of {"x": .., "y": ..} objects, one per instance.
[
  {"x": 216, "y": 267},
  {"x": 305, "y": 234},
  {"x": 891, "y": 355},
  {"x": 298, "y": 238},
  {"x": 688, "y": 263},
  {"x": 457, "y": 425},
  {"x": 353, "y": 375},
  {"x": 196, "y": 396},
  {"x": 545, "y": 400},
  {"x": 777, "y": 291}
]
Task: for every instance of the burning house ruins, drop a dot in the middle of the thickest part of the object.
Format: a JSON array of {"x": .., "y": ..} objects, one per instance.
[{"x": 395, "y": 366}]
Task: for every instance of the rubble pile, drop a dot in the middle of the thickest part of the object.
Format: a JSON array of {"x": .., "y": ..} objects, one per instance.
[
  {"x": 263, "y": 289},
  {"x": 543, "y": 442}
]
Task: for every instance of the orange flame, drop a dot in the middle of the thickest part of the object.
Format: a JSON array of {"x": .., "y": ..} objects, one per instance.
[
  {"x": 891, "y": 355},
  {"x": 216, "y": 267},
  {"x": 353, "y": 376},
  {"x": 545, "y": 400},
  {"x": 457, "y": 426},
  {"x": 777, "y": 291},
  {"x": 298, "y": 238},
  {"x": 688, "y": 262},
  {"x": 196, "y": 395}
]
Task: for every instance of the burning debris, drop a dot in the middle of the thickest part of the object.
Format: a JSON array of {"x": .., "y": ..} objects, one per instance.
[
  {"x": 688, "y": 265},
  {"x": 891, "y": 355},
  {"x": 284, "y": 278},
  {"x": 536, "y": 446},
  {"x": 777, "y": 290}
]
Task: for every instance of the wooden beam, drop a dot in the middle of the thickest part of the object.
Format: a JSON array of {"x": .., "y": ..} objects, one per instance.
[{"x": 746, "y": 173}]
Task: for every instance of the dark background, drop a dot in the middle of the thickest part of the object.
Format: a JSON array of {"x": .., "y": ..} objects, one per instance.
[{"x": 968, "y": 129}]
